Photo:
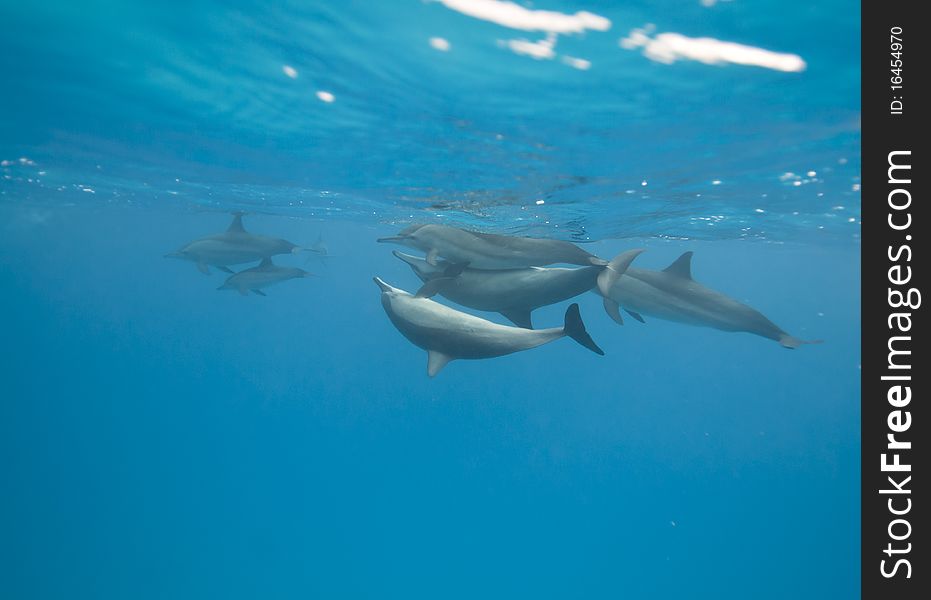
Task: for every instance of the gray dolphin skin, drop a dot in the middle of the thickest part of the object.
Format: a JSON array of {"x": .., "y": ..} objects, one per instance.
[
  {"x": 673, "y": 295},
  {"x": 515, "y": 293},
  {"x": 490, "y": 251},
  {"x": 262, "y": 276},
  {"x": 234, "y": 246},
  {"x": 448, "y": 334}
]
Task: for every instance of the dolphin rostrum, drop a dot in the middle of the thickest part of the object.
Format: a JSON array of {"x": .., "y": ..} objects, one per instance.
[
  {"x": 232, "y": 247},
  {"x": 448, "y": 334},
  {"x": 490, "y": 251},
  {"x": 262, "y": 276},
  {"x": 673, "y": 295},
  {"x": 514, "y": 293}
]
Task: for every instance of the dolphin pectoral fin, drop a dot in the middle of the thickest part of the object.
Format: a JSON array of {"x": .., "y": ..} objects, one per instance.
[
  {"x": 613, "y": 310},
  {"x": 225, "y": 269},
  {"x": 432, "y": 287},
  {"x": 635, "y": 315},
  {"x": 681, "y": 267},
  {"x": 436, "y": 361},
  {"x": 202, "y": 267},
  {"x": 455, "y": 269},
  {"x": 792, "y": 342},
  {"x": 613, "y": 271},
  {"x": 432, "y": 256},
  {"x": 519, "y": 316},
  {"x": 575, "y": 328},
  {"x": 259, "y": 293}
]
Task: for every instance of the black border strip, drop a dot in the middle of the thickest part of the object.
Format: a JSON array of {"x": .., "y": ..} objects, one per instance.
[{"x": 893, "y": 272}]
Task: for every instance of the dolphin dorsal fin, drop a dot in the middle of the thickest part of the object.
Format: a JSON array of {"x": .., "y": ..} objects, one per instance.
[
  {"x": 519, "y": 316},
  {"x": 436, "y": 361},
  {"x": 236, "y": 225},
  {"x": 681, "y": 267},
  {"x": 266, "y": 262}
]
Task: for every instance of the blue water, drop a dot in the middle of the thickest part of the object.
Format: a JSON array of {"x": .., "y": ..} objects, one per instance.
[{"x": 161, "y": 439}]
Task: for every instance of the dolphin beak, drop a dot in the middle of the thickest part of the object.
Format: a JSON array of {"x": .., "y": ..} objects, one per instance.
[
  {"x": 174, "y": 255},
  {"x": 384, "y": 287},
  {"x": 391, "y": 239},
  {"x": 411, "y": 260}
]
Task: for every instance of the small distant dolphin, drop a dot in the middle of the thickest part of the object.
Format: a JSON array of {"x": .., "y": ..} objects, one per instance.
[
  {"x": 447, "y": 334},
  {"x": 262, "y": 276},
  {"x": 673, "y": 295},
  {"x": 232, "y": 247},
  {"x": 514, "y": 293},
  {"x": 320, "y": 246},
  {"x": 490, "y": 251}
]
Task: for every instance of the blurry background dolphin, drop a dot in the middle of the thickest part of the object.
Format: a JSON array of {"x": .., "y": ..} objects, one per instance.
[
  {"x": 232, "y": 247},
  {"x": 488, "y": 250},
  {"x": 448, "y": 334},
  {"x": 673, "y": 295},
  {"x": 515, "y": 293},
  {"x": 318, "y": 252},
  {"x": 262, "y": 276}
]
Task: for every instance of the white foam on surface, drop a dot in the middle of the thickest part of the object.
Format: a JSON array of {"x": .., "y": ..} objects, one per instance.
[
  {"x": 668, "y": 48},
  {"x": 515, "y": 16}
]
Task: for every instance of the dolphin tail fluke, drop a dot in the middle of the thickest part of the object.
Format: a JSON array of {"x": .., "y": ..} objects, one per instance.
[
  {"x": 791, "y": 342},
  {"x": 617, "y": 267},
  {"x": 575, "y": 328}
]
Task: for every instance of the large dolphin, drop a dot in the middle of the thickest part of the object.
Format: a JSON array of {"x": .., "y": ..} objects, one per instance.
[
  {"x": 514, "y": 293},
  {"x": 673, "y": 295},
  {"x": 447, "y": 334},
  {"x": 232, "y": 247},
  {"x": 490, "y": 251},
  {"x": 262, "y": 276}
]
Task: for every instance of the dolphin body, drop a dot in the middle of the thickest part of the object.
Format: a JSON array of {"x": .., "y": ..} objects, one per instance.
[
  {"x": 490, "y": 251},
  {"x": 448, "y": 334},
  {"x": 514, "y": 293},
  {"x": 232, "y": 247},
  {"x": 673, "y": 295},
  {"x": 262, "y": 276}
]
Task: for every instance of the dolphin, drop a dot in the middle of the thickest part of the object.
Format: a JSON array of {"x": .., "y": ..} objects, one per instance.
[
  {"x": 262, "y": 276},
  {"x": 673, "y": 295},
  {"x": 490, "y": 251},
  {"x": 232, "y": 247},
  {"x": 514, "y": 293},
  {"x": 448, "y": 334}
]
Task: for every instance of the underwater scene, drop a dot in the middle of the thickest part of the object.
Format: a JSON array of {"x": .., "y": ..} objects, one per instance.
[{"x": 430, "y": 299}]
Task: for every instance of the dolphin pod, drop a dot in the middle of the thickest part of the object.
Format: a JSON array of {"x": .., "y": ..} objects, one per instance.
[
  {"x": 673, "y": 295},
  {"x": 497, "y": 273},
  {"x": 488, "y": 250},
  {"x": 448, "y": 334},
  {"x": 234, "y": 246}
]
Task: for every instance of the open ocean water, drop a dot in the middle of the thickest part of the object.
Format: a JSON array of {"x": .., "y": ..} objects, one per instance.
[{"x": 162, "y": 439}]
